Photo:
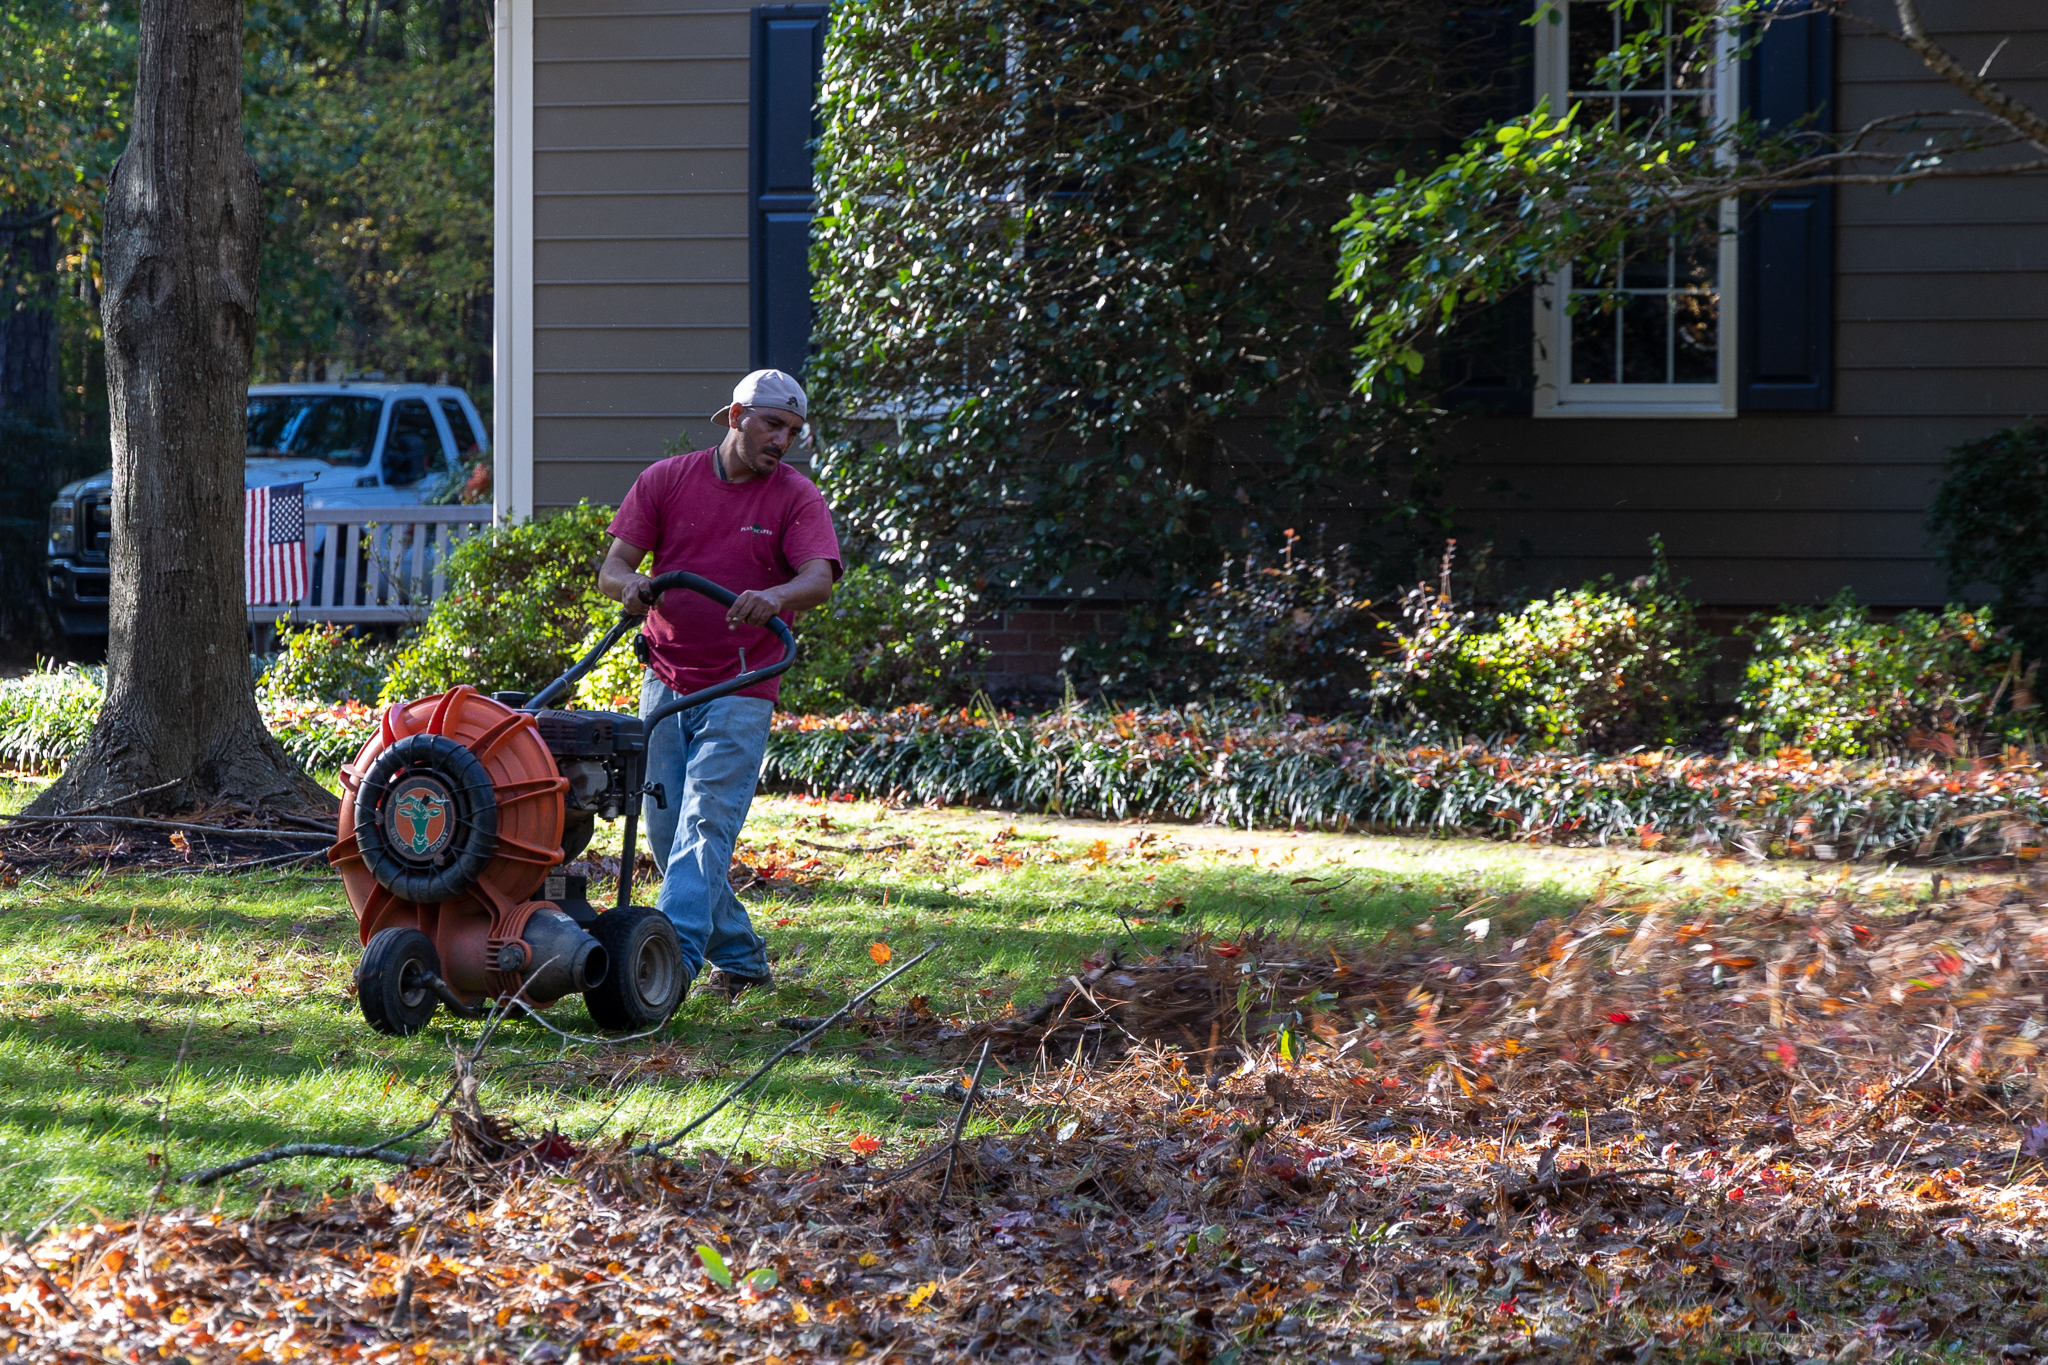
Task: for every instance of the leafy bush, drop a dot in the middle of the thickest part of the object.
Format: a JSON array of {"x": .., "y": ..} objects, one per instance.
[
  {"x": 520, "y": 606},
  {"x": 1286, "y": 632},
  {"x": 46, "y": 715},
  {"x": 1603, "y": 665},
  {"x": 881, "y": 643},
  {"x": 1989, "y": 523},
  {"x": 1834, "y": 680},
  {"x": 323, "y": 662}
]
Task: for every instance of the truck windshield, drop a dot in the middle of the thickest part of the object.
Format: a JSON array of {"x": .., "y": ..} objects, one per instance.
[{"x": 340, "y": 429}]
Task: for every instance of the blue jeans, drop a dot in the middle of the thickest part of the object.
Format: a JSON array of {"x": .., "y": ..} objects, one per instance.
[{"x": 708, "y": 761}]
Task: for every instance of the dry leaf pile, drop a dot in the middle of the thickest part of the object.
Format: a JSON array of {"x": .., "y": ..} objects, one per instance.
[{"x": 1659, "y": 1131}]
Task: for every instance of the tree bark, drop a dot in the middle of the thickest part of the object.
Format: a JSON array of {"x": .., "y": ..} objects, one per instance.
[
  {"x": 183, "y": 235},
  {"x": 28, "y": 315}
]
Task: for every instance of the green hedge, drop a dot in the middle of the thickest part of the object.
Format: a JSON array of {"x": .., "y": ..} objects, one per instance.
[
  {"x": 46, "y": 716},
  {"x": 1185, "y": 765}
]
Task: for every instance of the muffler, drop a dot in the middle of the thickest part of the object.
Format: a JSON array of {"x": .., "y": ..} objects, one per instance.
[{"x": 560, "y": 958}]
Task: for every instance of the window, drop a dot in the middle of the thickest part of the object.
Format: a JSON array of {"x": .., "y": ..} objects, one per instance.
[
  {"x": 1650, "y": 330},
  {"x": 332, "y": 428},
  {"x": 413, "y": 448},
  {"x": 466, "y": 443}
]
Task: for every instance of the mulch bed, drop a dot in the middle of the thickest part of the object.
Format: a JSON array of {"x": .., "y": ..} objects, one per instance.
[{"x": 93, "y": 849}]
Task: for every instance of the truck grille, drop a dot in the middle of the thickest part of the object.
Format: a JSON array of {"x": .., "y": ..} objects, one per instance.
[{"x": 95, "y": 527}]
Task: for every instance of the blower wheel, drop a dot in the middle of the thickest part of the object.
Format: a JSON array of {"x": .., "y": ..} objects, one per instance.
[
  {"x": 646, "y": 980},
  {"x": 390, "y": 981}
]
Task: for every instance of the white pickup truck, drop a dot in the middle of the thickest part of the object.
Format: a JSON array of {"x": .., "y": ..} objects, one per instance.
[{"x": 352, "y": 445}]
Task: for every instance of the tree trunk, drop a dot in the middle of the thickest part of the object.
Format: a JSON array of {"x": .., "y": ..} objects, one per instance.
[
  {"x": 28, "y": 315},
  {"x": 183, "y": 235}
]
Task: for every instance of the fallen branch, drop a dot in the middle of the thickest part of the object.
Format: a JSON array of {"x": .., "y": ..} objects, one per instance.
[
  {"x": 960, "y": 1122},
  {"x": 123, "y": 800},
  {"x": 377, "y": 1151},
  {"x": 655, "y": 1148},
  {"x": 161, "y": 824},
  {"x": 329, "y": 1150},
  {"x": 856, "y": 848},
  {"x": 1896, "y": 1086}
]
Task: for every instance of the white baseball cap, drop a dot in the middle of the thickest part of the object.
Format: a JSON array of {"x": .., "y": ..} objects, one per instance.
[{"x": 766, "y": 389}]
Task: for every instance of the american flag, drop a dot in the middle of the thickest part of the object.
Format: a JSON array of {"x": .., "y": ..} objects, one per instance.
[{"x": 274, "y": 543}]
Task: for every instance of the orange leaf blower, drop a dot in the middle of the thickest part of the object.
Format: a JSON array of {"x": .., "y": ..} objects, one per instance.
[{"x": 456, "y": 821}]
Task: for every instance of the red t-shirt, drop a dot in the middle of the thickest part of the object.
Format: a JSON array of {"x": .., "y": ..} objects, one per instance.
[{"x": 741, "y": 536}]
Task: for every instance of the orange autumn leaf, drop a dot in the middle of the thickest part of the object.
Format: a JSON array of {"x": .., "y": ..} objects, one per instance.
[
  {"x": 880, "y": 952},
  {"x": 865, "y": 1145}
]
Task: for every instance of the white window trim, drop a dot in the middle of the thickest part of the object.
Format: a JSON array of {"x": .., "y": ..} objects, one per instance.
[{"x": 1555, "y": 396}]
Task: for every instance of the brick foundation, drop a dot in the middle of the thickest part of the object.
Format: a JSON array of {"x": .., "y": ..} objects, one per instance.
[{"x": 1028, "y": 648}]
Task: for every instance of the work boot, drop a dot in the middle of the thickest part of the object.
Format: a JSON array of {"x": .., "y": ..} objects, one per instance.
[{"x": 731, "y": 985}]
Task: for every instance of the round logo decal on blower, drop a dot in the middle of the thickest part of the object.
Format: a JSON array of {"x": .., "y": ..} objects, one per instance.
[
  {"x": 426, "y": 818},
  {"x": 416, "y": 819}
]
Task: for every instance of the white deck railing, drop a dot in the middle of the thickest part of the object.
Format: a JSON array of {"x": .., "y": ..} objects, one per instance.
[{"x": 375, "y": 565}]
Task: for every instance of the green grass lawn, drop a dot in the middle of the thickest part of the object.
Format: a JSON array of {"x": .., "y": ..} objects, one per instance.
[{"x": 151, "y": 1025}]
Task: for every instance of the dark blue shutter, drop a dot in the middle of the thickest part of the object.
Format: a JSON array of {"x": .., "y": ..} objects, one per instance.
[
  {"x": 788, "y": 52},
  {"x": 1786, "y": 275},
  {"x": 1486, "y": 358}
]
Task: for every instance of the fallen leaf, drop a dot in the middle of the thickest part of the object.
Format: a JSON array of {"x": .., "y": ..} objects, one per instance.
[
  {"x": 714, "y": 1265},
  {"x": 880, "y": 952},
  {"x": 865, "y": 1145}
]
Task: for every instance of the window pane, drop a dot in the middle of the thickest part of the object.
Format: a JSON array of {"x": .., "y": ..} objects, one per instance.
[
  {"x": 1696, "y": 351},
  {"x": 412, "y": 449},
  {"x": 1647, "y": 263},
  {"x": 1642, "y": 114},
  {"x": 1699, "y": 254},
  {"x": 332, "y": 428},
  {"x": 466, "y": 443},
  {"x": 1592, "y": 344},
  {"x": 1591, "y": 38},
  {"x": 1645, "y": 339}
]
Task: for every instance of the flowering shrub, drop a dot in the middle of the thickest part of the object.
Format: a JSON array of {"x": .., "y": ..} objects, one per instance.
[
  {"x": 521, "y": 603},
  {"x": 324, "y": 660},
  {"x": 321, "y": 734},
  {"x": 1833, "y": 679},
  {"x": 879, "y": 642},
  {"x": 1188, "y": 764},
  {"x": 1277, "y": 631}
]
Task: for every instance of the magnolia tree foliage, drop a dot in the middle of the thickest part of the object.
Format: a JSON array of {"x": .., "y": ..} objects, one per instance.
[
  {"x": 1528, "y": 196},
  {"x": 1071, "y": 259}
]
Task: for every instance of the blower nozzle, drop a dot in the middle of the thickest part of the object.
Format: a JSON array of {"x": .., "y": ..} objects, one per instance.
[{"x": 560, "y": 958}]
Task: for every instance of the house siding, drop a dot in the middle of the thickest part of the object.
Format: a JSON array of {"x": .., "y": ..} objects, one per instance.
[
  {"x": 640, "y": 234},
  {"x": 1941, "y": 336}
]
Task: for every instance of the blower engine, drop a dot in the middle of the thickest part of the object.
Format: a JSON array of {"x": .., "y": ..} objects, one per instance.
[{"x": 456, "y": 821}]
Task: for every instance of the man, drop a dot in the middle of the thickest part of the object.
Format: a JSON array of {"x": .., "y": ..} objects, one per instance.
[{"x": 740, "y": 517}]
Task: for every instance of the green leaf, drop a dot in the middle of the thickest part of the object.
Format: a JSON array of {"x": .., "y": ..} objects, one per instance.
[{"x": 714, "y": 1264}]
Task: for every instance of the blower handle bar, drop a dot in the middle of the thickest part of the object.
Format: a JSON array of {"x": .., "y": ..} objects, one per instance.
[{"x": 650, "y": 591}]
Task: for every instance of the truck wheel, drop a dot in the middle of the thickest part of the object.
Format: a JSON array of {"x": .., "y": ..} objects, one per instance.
[
  {"x": 387, "y": 981},
  {"x": 646, "y": 980}
]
